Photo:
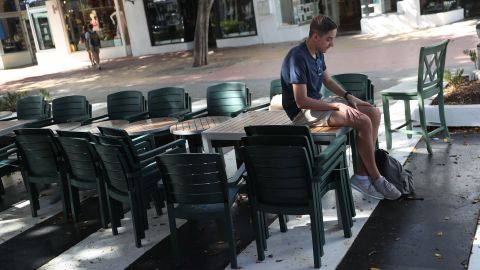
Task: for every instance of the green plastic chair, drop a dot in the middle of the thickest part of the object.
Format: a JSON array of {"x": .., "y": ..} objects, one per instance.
[
  {"x": 429, "y": 83},
  {"x": 357, "y": 84},
  {"x": 225, "y": 99},
  {"x": 127, "y": 105},
  {"x": 275, "y": 87},
  {"x": 71, "y": 109},
  {"x": 284, "y": 178},
  {"x": 169, "y": 101},
  {"x": 41, "y": 164},
  {"x": 32, "y": 108},
  {"x": 83, "y": 173},
  {"x": 196, "y": 187}
]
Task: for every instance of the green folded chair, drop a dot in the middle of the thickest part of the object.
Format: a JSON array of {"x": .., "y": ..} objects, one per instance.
[{"x": 431, "y": 67}]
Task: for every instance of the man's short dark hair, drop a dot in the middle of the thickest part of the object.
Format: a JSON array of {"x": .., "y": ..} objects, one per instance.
[
  {"x": 90, "y": 26},
  {"x": 322, "y": 25}
]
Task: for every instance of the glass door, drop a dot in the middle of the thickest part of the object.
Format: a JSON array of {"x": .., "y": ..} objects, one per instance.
[{"x": 41, "y": 28}]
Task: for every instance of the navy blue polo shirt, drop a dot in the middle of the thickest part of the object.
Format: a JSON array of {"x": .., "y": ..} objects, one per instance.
[{"x": 299, "y": 67}]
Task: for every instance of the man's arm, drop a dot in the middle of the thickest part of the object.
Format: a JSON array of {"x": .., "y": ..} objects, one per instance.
[
  {"x": 332, "y": 85},
  {"x": 305, "y": 102}
]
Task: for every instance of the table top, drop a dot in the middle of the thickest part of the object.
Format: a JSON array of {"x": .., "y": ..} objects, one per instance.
[
  {"x": 151, "y": 125},
  {"x": 92, "y": 128},
  {"x": 64, "y": 126},
  {"x": 197, "y": 125},
  {"x": 7, "y": 127},
  {"x": 4, "y": 114},
  {"x": 233, "y": 129}
]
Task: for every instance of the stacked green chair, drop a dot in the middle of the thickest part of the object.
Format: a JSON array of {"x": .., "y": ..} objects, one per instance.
[
  {"x": 197, "y": 187},
  {"x": 431, "y": 67},
  {"x": 74, "y": 108},
  {"x": 41, "y": 164},
  {"x": 124, "y": 181},
  {"x": 82, "y": 172},
  {"x": 127, "y": 105},
  {"x": 357, "y": 84},
  {"x": 275, "y": 88},
  {"x": 284, "y": 177}
]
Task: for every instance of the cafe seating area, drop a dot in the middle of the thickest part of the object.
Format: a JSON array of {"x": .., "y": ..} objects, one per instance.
[{"x": 155, "y": 165}]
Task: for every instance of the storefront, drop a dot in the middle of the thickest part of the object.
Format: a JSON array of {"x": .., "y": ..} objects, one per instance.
[{"x": 15, "y": 35}]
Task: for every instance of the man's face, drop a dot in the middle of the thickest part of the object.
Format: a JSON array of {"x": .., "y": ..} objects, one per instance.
[{"x": 325, "y": 41}]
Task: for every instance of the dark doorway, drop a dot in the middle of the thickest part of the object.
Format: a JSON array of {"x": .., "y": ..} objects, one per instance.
[
  {"x": 350, "y": 15},
  {"x": 189, "y": 11},
  {"x": 472, "y": 8}
]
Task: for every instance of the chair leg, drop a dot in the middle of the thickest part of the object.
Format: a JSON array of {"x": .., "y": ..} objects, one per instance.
[
  {"x": 386, "y": 118},
  {"x": 33, "y": 197},
  {"x": 423, "y": 124},
  {"x": 158, "y": 201},
  {"x": 74, "y": 202},
  {"x": 2, "y": 188},
  {"x": 64, "y": 197},
  {"x": 173, "y": 234},
  {"x": 441, "y": 112},
  {"x": 231, "y": 237},
  {"x": 408, "y": 117},
  {"x": 113, "y": 213},
  {"x": 104, "y": 208},
  {"x": 259, "y": 230},
  {"x": 316, "y": 241},
  {"x": 282, "y": 219},
  {"x": 136, "y": 220}
]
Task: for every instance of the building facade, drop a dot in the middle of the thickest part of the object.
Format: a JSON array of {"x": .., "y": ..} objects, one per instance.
[{"x": 49, "y": 32}]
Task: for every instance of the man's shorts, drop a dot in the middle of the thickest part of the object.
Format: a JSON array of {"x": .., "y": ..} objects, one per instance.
[{"x": 317, "y": 118}]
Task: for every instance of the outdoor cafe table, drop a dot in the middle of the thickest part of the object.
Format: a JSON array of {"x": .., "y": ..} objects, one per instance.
[
  {"x": 233, "y": 129},
  {"x": 92, "y": 128},
  {"x": 152, "y": 125},
  {"x": 194, "y": 127},
  {"x": 64, "y": 126}
]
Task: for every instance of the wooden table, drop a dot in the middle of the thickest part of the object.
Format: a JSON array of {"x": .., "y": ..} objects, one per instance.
[
  {"x": 233, "y": 129},
  {"x": 92, "y": 128},
  {"x": 191, "y": 129},
  {"x": 7, "y": 127},
  {"x": 64, "y": 126},
  {"x": 152, "y": 125}
]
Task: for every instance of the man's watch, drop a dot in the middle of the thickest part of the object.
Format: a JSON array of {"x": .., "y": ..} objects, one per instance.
[{"x": 346, "y": 94}]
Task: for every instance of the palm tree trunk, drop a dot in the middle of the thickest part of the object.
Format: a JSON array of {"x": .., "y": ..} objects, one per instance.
[{"x": 200, "y": 48}]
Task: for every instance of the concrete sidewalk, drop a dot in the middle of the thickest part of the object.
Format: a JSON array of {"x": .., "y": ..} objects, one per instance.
[{"x": 386, "y": 60}]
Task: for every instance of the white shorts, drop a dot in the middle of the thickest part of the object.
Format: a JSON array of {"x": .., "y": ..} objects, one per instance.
[{"x": 317, "y": 118}]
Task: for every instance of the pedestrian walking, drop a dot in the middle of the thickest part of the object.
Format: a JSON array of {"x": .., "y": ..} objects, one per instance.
[{"x": 93, "y": 39}]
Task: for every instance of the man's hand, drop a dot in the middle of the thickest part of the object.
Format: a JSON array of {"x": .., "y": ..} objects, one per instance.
[
  {"x": 350, "y": 113},
  {"x": 355, "y": 102}
]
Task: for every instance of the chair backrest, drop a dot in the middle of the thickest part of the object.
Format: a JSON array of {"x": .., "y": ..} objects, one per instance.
[
  {"x": 223, "y": 99},
  {"x": 119, "y": 175},
  {"x": 74, "y": 108},
  {"x": 431, "y": 67},
  {"x": 80, "y": 158},
  {"x": 357, "y": 84},
  {"x": 193, "y": 178},
  {"x": 40, "y": 155},
  {"x": 77, "y": 134},
  {"x": 275, "y": 130},
  {"x": 168, "y": 100},
  {"x": 125, "y": 103},
  {"x": 123, "y": 136},
  {"x": 275, "y": 87},
  {"x": 278, "y": 176},
  {"x": 32, "y": 108}
]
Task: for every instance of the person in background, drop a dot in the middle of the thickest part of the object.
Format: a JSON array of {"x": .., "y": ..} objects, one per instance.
[
  {"x": 302, "y": 75},
  {"x": 93, "y": 40},
  {"x": 87, "y": 44}
]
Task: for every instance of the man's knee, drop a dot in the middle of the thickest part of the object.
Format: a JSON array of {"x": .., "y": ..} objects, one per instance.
[{"x": 363, "y": 122}]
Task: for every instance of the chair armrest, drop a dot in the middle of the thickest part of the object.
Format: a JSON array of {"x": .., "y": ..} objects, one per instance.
[
  {"x": 79, "y": 119},
  {"x": 40, "y": 123},
  {"x": 149, "y": 156},
  {"x": 180, "y": 115},
  {"x": 136, "y": 117},
  {"x": 89, "y": 121},
  {"x": 144, "y": 140},
  {"x": 8, "y": 150},
  {"x": 196, "y": 114},
  {"x": 330, "y": 154},
  {"x": 235, "y": 179}
]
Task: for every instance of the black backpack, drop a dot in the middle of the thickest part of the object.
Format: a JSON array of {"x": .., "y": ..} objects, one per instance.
[
  {"x": 95, "y": 39},
  {"x": 394, "y": 172}
]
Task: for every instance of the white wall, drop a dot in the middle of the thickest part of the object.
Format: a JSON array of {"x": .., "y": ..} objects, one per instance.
[
  {"x": 406, "y": 19},
  {"x": 16, "y": 59}
]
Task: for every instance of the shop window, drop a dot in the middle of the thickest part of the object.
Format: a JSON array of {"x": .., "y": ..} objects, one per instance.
[
  {"x": 436, "y": 6},
  {"x": 8, "y": 6},
  {"x": 165, "y": 22},
  {"x": 11, "y": 35},
  {"x": 31, "y": 3},
  {"x": 42, "y": 30},
  {"x": 297, "y": 12},
  {"x": 99, "y": 13},
  {"x": 236, "y": 18}
]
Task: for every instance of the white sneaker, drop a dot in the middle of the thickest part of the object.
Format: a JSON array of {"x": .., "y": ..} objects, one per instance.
[
  {"x": 365, "y": 187},
  {"x": 389, "y": 191}
]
